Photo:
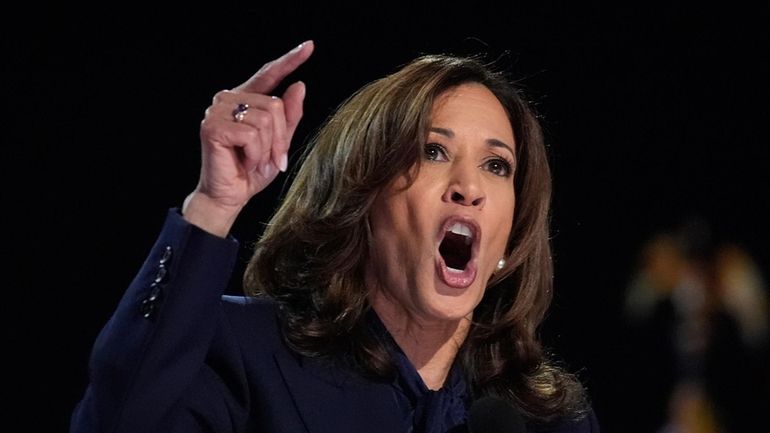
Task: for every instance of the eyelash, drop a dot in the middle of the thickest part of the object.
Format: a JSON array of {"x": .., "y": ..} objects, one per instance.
[
  {"x": 435, "y": 147},
  {"x": 506, "y": 166}
]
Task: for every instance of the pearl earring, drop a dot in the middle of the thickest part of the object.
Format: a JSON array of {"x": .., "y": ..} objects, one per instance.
[{"x": 500, "y": 264}]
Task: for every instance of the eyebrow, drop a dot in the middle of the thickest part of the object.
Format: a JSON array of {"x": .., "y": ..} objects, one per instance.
[{"x": 490, "y": 141}]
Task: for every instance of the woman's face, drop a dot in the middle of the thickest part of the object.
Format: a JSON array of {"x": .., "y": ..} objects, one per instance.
[{"x": 437, "y": 242}]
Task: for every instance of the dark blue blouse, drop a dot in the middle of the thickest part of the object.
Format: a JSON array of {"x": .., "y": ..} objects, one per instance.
[
  {"x": 425, "y": 410},
  {"x": 445, "y": 410}
]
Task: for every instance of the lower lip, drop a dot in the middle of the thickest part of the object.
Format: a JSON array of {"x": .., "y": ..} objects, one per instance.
[{"x": 457, "y": 280}]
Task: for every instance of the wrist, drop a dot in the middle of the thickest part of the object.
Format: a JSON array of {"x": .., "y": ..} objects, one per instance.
[{"x": 202, "y": 211}]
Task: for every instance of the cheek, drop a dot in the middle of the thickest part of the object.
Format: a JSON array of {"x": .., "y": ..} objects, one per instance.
[
  {"x": 391, "y": 223},
  {"x": 503, "y": 224}
]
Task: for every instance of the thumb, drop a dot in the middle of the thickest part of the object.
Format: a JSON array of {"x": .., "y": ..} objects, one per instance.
[{"x": 293, "y": 99}]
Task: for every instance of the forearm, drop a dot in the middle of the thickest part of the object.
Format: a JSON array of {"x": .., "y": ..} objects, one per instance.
[{"x": 152, "y": 348}]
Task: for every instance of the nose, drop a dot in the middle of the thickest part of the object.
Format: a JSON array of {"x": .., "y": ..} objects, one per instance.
[{"x": 465, "y": 188}]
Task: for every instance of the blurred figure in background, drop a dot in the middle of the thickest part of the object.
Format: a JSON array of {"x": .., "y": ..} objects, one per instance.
[{"x": 698, "y": 316}]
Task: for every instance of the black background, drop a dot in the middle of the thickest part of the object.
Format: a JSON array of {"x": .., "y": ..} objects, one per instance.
[{"x": 652, "y": 114}]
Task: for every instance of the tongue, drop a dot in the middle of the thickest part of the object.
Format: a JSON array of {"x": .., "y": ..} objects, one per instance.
[{"x": 455, "y": 251}]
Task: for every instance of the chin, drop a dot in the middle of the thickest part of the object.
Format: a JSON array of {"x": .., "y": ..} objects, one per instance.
[{"x": 449, "y": 305}]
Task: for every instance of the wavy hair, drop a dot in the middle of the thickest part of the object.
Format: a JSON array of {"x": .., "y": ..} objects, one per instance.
[{"x": 312, "y": 254}]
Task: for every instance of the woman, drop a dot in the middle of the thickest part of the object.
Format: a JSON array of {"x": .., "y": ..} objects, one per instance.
[{"x": 399, "y": 284}]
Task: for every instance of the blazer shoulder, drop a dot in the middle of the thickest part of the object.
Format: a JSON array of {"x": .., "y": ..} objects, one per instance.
[
  {"x": 262, "y": 303},
  {"x": 253, "y": 319}
]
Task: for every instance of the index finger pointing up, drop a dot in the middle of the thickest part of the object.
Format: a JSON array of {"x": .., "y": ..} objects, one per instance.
[{"x": 270, "y": 75}]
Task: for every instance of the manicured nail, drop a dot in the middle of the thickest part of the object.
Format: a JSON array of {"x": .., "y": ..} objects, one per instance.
[{"x": 283, "y": 163}]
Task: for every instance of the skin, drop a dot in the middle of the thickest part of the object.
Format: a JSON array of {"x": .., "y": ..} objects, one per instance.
[
  {"x": 463, "y": 176},
  {"x": 428, "y": 319},
  {"x": 241, "y": 159}
]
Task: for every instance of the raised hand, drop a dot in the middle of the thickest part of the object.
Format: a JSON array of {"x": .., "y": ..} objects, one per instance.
[{"x": 245, "y": 138}]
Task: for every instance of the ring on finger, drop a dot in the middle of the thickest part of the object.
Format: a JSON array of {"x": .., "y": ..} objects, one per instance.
[{"x": 240, "y": 112}]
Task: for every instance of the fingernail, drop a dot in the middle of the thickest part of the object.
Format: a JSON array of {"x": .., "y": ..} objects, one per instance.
[
  {"x": 283, "y": 163},
  {"x": 298, "y": 47}
]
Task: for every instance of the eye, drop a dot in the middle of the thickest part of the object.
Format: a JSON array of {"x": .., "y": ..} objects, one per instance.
[
  {"x": 499, "y": 167},
  {"x": 435, "y": 152}
]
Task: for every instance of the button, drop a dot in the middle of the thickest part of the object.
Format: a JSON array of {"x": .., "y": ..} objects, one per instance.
[
  {"x": 147, "y": 308},
  {"x": 161, "y": 275},
  {"x": 166, "y": 255},
  {"x": 150, "y": 303},
  {"x": 155, "y": 293}
]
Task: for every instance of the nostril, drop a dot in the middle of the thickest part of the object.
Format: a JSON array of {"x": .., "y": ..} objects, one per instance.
[
  {"x": 456, "y": 196},
  {"x": 478, "y": 201}
]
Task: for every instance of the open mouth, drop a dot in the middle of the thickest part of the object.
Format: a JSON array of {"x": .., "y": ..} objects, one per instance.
[{"x": 456, "y": 247}]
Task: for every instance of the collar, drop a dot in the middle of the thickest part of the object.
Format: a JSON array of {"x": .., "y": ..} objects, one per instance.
[{"x": 426, "y": 410}]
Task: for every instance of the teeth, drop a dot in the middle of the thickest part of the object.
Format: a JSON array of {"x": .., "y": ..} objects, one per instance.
[
  {"x": 454, "y": 271},
  {"x": 461, "y": 229}
]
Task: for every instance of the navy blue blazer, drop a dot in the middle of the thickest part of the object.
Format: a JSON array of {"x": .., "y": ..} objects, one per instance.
[{"x": 177, "y": 356}]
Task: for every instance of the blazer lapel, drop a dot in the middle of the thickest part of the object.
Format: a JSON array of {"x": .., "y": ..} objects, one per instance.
[{"x": 332, "y": 400}]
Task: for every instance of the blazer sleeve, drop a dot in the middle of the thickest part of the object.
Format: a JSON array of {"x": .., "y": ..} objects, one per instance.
[{"x": 148, "y": 367}]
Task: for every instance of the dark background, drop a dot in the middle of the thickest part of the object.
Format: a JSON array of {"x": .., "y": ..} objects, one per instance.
[{"x": 652, "y": 114}]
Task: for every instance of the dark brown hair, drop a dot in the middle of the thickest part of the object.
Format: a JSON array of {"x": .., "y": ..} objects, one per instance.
[{"x": 311, "y": 257}]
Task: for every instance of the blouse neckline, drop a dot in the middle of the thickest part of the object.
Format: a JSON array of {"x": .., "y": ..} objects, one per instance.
[{"x": 424, "y": 410}]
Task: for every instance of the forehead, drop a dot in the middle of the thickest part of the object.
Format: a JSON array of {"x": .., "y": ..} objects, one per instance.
[
  {"x": 472, "y": 107},
  {"x": 472, "y": 92}
]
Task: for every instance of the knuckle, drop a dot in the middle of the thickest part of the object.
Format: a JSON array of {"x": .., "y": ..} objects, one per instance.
[
  {"x": 210, "y": 135},
  {"x": 211, "y": 131},
  {"x": 252, "y": 135},
  {"x": 266, "y": 66},
  {"x": 276, "y": 104},
  {"x": 220, "y": 96},
  {"x": 205, "y": 126},
  {"x": 263, "y": 121}
]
